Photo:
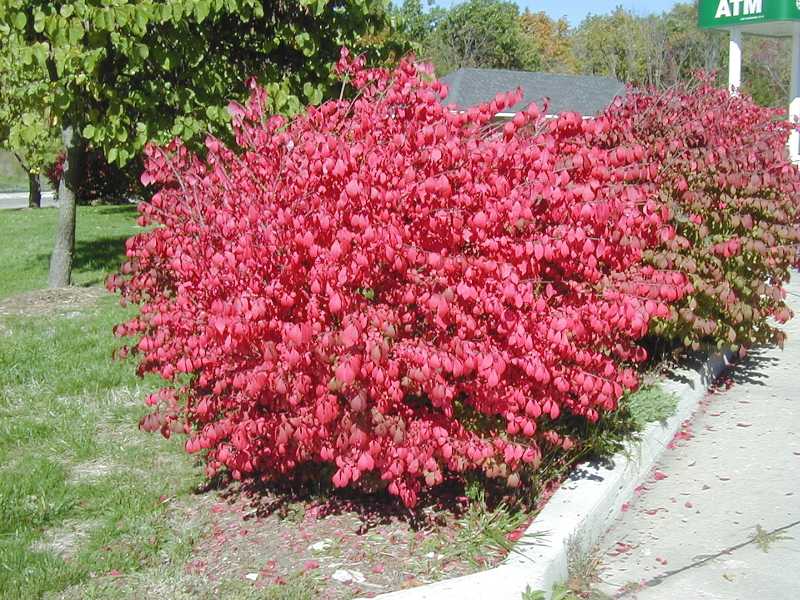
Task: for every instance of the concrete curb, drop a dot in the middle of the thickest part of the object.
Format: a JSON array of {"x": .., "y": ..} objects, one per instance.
[{"x": 581, "y": 510}]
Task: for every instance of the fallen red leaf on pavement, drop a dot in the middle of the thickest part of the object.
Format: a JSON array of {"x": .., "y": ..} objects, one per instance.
[{"x": 654, "y": 511}]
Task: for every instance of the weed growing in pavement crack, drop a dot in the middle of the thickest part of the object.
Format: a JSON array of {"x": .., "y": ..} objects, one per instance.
[{"x": 764, "y": 539}]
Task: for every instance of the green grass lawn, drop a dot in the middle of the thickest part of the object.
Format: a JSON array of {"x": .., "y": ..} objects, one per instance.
[
  {"x": 81, "y": 489},
  {"x": 12, "y": 176},
  {"x": 26, "y": 241},
  {"x": 13, "y": 183},
  {"x": 79, "y": 484}
]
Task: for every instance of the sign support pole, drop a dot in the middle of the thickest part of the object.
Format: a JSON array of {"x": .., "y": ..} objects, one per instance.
[
  {"x": 735, "y": 61},
  {"x": 794, "y": 95},
  {"x": 775, "y": 18}
]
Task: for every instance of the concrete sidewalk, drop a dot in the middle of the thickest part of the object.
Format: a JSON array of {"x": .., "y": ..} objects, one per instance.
[{"x": 720, "y": 516}]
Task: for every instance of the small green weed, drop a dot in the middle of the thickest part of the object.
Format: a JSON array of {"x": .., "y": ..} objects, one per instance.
[
  {"x": 530, "y": 594},
  {"x": 294, "y": 512},
  {"x": 583, "y": 569},
  {"x": 584, "y": 573},
  {"x": 650, "y": 404},
  {"x": 483, "y": 532},
  {"x": 560, "y": 591},
  {"x": 765, "y": 539}
]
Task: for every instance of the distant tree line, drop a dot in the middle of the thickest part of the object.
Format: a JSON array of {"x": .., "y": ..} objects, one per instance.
[{"x": 657, "y": 50}]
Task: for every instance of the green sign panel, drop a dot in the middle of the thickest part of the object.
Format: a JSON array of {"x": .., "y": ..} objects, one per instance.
[{"x": 730, "y": 13}]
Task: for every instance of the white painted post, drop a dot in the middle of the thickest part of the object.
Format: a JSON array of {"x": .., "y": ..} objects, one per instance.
[
  {"x": 794, "y": 95},
  {"x": 735, "y": 61}
]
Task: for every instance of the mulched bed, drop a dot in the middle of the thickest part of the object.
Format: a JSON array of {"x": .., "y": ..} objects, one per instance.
[
  {"x": 361, "y": 547},
  {"x": 62, "y": 301}
]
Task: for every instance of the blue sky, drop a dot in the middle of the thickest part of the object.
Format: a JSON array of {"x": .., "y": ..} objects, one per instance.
[{"x": 576, "y": 10}]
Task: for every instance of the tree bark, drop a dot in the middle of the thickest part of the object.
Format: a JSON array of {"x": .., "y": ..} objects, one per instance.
[
  {"x": 64, "y": 249},
  {"x": 34, "y": 191}
]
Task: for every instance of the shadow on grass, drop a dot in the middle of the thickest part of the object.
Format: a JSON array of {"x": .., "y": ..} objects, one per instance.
[
  {"x": 104, "y": 254},
  {"x": 127, "y": 210},
  {"x": 98, "y": 256}
]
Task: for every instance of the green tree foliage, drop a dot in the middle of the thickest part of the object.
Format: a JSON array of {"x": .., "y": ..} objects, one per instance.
[
  {"x": 656, "y": 50},
  {"x": 415, "y": 24},
  {"x": 690, "y": 48},
  {"x": 27, "y": 128},
  {"x": 767, "y": 69},
  {"x": 124, "y": 72},
  {"x": 129, "y": 71},
  {"x": 604, "y": 45},
  {"x": 477, "y": 33},
  {"x": 552, "y": 39},
  {"x": 666, "y": 49}
]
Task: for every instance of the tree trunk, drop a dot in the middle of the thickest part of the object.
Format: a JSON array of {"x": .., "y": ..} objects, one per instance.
[
  {"x": 61, "y": 259},
  {"x": 34, "y": 191}
]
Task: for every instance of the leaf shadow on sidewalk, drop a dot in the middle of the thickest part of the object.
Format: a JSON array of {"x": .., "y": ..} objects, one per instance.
[
  {"x": 691, "y": 362},
  {"x": 750, "y": 370},
  {"x": 589, "y": 469}
]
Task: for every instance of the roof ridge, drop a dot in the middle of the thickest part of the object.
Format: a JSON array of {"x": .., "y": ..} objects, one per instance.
[
  {"x": 586, "y": 94},
  {"x": 545, "y": 73}
]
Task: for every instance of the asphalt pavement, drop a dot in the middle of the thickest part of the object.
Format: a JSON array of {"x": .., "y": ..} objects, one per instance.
[{"x": 20, "y": 200}]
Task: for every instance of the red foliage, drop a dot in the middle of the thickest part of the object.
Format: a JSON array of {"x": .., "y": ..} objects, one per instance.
[
  {"x": 391, "y": 287},
  {"x": 100, "y": 181},
  {"x": 54, "y": 171},
  {"x": 725, "y": 176}
]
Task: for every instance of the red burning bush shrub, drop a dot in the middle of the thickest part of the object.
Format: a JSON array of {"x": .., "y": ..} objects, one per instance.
[
  {"x": 392, "y": 288},
  {"x": 724, "y": 175},
  {"x": 101, "y": 181},
  {"x": 55, "y": 171}
]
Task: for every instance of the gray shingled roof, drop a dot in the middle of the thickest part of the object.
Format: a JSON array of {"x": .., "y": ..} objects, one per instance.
[{"x": 585, "y": 94}]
